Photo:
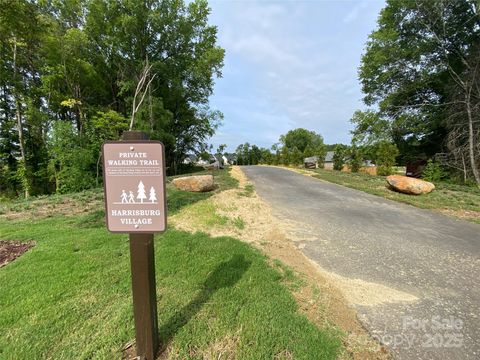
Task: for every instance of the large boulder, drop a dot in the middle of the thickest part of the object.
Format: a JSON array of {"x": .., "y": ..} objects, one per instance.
[
  {"x": 409, "y": 185},
  {"x": 199, "y": 183}
]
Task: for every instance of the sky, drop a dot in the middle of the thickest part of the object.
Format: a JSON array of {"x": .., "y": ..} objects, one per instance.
[{"x": 289, "y": 64}]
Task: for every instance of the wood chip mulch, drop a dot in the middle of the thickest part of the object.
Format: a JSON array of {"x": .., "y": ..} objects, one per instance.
[{"x": 10, "y": 250}]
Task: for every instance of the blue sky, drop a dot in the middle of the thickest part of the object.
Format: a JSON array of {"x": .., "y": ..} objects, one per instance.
[{"x": 289, "y": 64}]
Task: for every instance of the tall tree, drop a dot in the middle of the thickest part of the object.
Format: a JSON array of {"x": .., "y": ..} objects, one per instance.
[
  {"x": 21, "y": 32},
  {"x": 69, "y": 68},
  {"x": 421, "y": 68},
  {"x": 302, "y": 140}
]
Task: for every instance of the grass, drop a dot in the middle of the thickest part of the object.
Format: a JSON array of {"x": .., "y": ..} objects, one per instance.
[
  {"x": 70, "y": 298},
  {"x": 239, "y": 223},
  {"x": 36, "y": 202},
  {"x": 176, "y": 199},
  {"x": 456, "y": 200},
  {"x": 248, "y": 190}
]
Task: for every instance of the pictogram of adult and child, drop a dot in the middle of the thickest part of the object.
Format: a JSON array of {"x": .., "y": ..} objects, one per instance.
[{"x": 130, "y": 198}]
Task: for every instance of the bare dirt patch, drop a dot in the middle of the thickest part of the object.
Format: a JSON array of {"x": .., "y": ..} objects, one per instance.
[
  {"x": 10, "y": 250},
  {"x": 325, "y": 300}
]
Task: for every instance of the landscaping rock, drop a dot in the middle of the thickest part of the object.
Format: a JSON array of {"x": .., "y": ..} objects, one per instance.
[
  {"x": 409, "y": 185},
  {"x": 199, "y": 183}
]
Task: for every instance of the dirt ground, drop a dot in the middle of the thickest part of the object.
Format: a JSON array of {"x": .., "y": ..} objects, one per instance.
[
  {"x": 324, "y": 299},
  {"x": 10, "y": 250}
]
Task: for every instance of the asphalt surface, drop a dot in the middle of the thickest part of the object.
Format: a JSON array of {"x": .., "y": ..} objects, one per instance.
[{"x": 416, "y": 251}]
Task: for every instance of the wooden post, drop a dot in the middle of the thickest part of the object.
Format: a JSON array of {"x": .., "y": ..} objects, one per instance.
[{"x": 142, "y": 259}]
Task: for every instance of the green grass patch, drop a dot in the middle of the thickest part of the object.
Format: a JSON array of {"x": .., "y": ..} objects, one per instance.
[
  {"x": 239, "y": 223},
  {"x": 248, "y": 190},
  {"x": 176, "y": 199},
  {"x": 289, "y": 277},
  {"x": 445, "y": 196},
  {"x": 70, "y": 296}
]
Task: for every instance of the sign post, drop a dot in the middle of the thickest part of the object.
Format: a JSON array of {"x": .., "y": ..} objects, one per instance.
[{"x": 134, "y": 183}]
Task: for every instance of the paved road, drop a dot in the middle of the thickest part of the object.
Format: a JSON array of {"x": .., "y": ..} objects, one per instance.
[{"x": 419, "y": 252}]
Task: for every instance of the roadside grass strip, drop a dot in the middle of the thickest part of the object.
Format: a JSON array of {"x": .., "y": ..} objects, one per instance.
[
  {"x": 450, "y": 199},
  {"x": 69, "y": 297}
]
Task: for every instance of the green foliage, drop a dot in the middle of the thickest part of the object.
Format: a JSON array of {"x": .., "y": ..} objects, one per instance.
[
  {"x": 339, "y": 156},
  {"x": 71, "y": 163},
  {"x": 309, "y": 151},
  {"x": 370, "y": 127},
  {"x": 296, "y": 156},
  {"x": 22, "y": 177},
  {"x": 356, "y": 158},
  {"x": 305, "y": 141},
  {"x": 285, "y": 156},
  {"x": 384, "y": 170},
  {"x": 301, "y": 138},
  {"x": 276, "y": 156},
  {"x": 78, "y": 62},
  {"x": 433, "y": 172},
  {"x": 385, "y": 156},
  {"x": 253, "y": 155},
  {"x": 247, "y": 190},
  {"x": 221, "y": 148},
  {"x": 298, "y": 144},
  {"x": 109, "y": 125},
  {"x": 420, "y": 70}
]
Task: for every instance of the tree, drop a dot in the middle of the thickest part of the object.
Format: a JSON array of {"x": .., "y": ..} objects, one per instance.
[
  {"x": 385, "y": 155},
  {"x": 370, "y": 127},
  {"x": 339, "y": 156},
  {"x": 356, "y": 158},
  {"x": 309, "y": 151},
  {"x": 143, "y": 87},
  {"x": 421, "y": 68},
  {"x": 80, "y": 68},
  {"x": 255, "y": 155},
  {"x": 301, "y": 138},
  {"x": 70, "y": 162},
  {"x": 296, "y": 156},
  {"x": 221, "y": 148},
  {"x": 21, "y": 29},
  {"x": 276, "y": 154},
  {"x": 267, "y": 157},
  {"x": 433, "y": 172},
  {"x": 285, "y": 156}
]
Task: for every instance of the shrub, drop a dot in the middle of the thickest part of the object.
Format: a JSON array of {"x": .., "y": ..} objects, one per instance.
[
  {"x": 356, "y": 159},
  {"x": 433, "y": 172},
  {"x": 385, "y": 155},
  {"x": 339, "y": 157},
  {"x": 384, "y": 170}
]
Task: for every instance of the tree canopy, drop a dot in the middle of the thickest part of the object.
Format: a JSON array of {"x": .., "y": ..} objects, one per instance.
[
  {"x": 68, "y": 77},
  {"x": 420, "y": 72},
  {"x": 293, "y": 147}
]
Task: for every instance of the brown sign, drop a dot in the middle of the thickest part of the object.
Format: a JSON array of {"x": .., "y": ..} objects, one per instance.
[{"x": 134, "y": 181}]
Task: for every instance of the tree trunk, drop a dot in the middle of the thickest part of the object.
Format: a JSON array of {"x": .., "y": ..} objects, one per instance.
[
  {"x": 18, "y": 116},
  {"x": 471, "y": 141},
  {"x": 464, "y": 169}
]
